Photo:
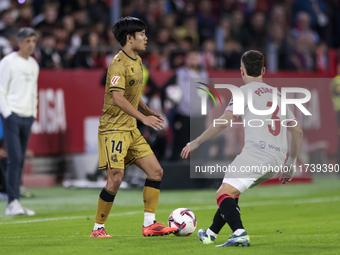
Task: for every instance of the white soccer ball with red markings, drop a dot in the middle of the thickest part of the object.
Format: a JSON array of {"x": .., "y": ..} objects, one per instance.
[{"x": 184, "y": 220}]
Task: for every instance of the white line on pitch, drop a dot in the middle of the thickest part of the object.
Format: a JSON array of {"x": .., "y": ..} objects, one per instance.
[{"x": 246, "y": 204}]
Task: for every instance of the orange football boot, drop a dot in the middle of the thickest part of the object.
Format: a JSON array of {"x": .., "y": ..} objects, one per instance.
[
  {"x": 101, "y": 232},
  {"x": 158, "y": 229}
]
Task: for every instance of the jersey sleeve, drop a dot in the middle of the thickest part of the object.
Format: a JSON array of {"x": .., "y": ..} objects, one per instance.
[{"x": 116, "y": 77}]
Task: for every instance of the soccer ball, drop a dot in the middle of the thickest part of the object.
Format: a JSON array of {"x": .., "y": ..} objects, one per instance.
[{"x": 183, "y": 219}]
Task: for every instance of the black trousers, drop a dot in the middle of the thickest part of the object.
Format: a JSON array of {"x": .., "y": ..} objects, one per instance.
[{"x": 17, "y": 131}]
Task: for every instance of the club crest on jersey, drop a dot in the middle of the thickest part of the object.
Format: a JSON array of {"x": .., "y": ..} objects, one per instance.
[
  {"x": 114, "y": 158},
  {"x": 114, "y": 80}
]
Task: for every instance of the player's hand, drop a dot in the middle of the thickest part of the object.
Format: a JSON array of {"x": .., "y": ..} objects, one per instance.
[
  {"x": 154, "y": 122},
  {"x": 287, "y": 173},
  {"x": 3, "y": 153},
  {"x": 153, "y": 113},
  {"x": 189, "y": 148},
  {"x": 284, "y": 177}
]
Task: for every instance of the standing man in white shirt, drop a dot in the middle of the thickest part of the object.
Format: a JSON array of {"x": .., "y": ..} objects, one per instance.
[
  {"x": 18, "y": 106},
  {"x": 264, "y": 146}
]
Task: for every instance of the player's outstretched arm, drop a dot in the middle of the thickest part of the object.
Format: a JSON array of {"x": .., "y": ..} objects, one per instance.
[
  {"x": 210, "y": 133},
  {"x": 126, "y": 106},
  {"x": 297, "y": 135}
]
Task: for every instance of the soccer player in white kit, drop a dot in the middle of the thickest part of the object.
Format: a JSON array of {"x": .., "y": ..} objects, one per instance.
[
  {"x": 18, "y": 106},
  {"x": 264, "y": 147}
]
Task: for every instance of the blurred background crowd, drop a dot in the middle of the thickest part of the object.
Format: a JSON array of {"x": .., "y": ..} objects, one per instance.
[{"x": 293, "y": 34}]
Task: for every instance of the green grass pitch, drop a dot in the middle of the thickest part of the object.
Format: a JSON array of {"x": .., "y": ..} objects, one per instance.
[{"x": 282, "y": 219}]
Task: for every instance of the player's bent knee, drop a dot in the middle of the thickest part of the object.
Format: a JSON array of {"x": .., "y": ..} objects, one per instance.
[
  {"x": 228, "y": 190},
  {"x": 157, "y": 174}
]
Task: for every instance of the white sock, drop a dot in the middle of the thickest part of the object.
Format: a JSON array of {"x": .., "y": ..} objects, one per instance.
[
  {"x": 211, "y": 233},
  {"x": 149, "y": 219},
  {"x": 97, "y": 226},
  {"x": 239, "y": 231}
]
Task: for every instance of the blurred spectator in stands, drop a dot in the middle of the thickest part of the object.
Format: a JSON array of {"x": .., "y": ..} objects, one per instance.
[
  {"x": 278, "y": 50},
  {"x": 183, "y": 112},
  {"x": 188, "y": 11},
  {"x": 76, "y": 38},
  {"x": 257, "y": 33},
  {"x": 230, "y": 57},
  {"x": 208, "y": 55},
  {"x": 264, "y": 5},
  {"x": 89, "y": 55},
  {"x": 206, "y": 21},
  {"x": 303, "y": 28},
  {"x": 139, "y": 10},
  {"x": 68, "y": 24},
  {"x": 303, "y": 57},
  {"x": 75, "y": 43},
  {"x": 238, "y": 31},
  {"x": 316, "y": 9},
  {"x": 7, "y": 24},
  {"x": 98, "y": 11},
  {"x": 99, "y": 27},
  {"x": 163, "y": 37},
  {"x": 222, "y": 33},
  {"x": 177, "y": 57},
  {"x": 154, "y": 60},
  {"x": 25, "y": 15},
  {"x": 61, "y": 36},
  {"x": 80, "y": 17},
  {"x": 49, "y": 57},
  {"x": 110, "y": 38},
  {"x": 5, "y": 47},
  {"x": 46, "y": 21},
  {"x": 321, "y": 55},
  {"x": 5, "y": 4},
  {"x": 189, "y": 29},
  {"x": 229, "y": 6},
  {"x": 148, "y": 12},
  {"x": 278, "y": 16},
  {"x": 127, "y": 8},
  {"x": 168, "y": 21}
]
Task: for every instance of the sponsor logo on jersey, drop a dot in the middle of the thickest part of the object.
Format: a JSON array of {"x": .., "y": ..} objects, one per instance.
[
  {"x": 262, "y": 144},
  {"x": 114, "y": 80},
  {"x": 136, "y": 82}
]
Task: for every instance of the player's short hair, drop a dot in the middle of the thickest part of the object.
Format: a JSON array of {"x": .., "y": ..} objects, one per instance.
[
  {"x": 25, "y": 32},
  {"x": 127, "y": 26},
  {"x": 253, "y": 61}
]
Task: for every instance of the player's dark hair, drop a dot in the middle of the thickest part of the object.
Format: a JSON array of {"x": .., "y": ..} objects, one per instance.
[
  {"x": 253, "y": 61},
  {"x": 127, "y": 26}
]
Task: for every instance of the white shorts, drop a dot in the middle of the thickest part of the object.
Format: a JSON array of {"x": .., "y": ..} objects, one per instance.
[{"x": 250, "y": 169}]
